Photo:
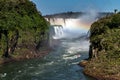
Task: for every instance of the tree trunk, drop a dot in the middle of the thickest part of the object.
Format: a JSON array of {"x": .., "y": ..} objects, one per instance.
[
  {"x": 13, "y": 42},
  {"x": 0, "y": 35},
  {"x": 90, "y": 52},
  {"x": 40, "y": 42},
  {"x": 6, "y": 54}
]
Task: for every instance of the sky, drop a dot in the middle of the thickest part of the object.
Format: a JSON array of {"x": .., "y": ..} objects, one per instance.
[{"x": 57, "y": 6}]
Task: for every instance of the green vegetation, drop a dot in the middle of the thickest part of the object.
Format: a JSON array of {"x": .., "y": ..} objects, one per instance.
[
  {"x": 105, "y": 48},
  {"x": 22, "y": 28}
]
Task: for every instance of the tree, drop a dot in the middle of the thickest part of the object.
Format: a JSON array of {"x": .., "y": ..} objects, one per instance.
[
  {"x": 104, "y": 35},
  {"x": 19, "y": 18}
]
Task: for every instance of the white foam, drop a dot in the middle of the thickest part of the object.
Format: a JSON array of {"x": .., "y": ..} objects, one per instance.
[
  {"x": 71, "y": 57},
  {"x": 3, "y": 75}
]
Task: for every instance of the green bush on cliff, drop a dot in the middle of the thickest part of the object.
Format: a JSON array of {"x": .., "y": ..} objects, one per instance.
[
  {"x": 21, "y": 26},
  {"x": 105, "y": 38},
  {"x": 105, "y": 35}
]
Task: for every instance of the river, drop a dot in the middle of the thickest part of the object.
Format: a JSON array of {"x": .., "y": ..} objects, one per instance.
[{"x": 60, "y": 64}]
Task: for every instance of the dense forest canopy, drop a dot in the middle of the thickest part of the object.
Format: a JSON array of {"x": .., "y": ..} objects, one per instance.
[
  {"x": 105, "y": 48},
  {"x": 20, "y": 24},
  {"x": 105, "y": 35}
]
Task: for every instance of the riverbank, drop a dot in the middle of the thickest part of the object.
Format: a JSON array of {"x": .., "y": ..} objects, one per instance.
[
  {"x": 25, "y": 55},
  {"x": 100, "y": 70}
]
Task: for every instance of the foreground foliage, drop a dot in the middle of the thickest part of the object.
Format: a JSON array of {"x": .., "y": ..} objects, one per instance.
[
  {"x": 21, "y": 27},
  {"x": 105, "y": 40}
]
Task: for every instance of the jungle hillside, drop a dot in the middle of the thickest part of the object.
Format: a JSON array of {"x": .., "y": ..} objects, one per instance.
[
  {"x": 23, "y": 30},
  {"x": 104, "y": 51}
]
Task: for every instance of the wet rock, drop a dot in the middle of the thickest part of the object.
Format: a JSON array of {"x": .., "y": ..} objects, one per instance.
[{"x": 83, "y": 63}]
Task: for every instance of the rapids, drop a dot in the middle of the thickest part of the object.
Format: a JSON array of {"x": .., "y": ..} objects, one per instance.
[{"x": 60, "y": 64}]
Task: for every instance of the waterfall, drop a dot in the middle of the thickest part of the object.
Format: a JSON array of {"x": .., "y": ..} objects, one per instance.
[
  {"x": 58, "y": 29},
  {"x": 55, "y": 33},
  {"x": 73, "y": 27},
  {"x": 69, "y": 28}
]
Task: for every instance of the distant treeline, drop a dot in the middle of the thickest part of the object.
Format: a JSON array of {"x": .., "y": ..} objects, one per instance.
[{"x": 76, "y": 14}]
